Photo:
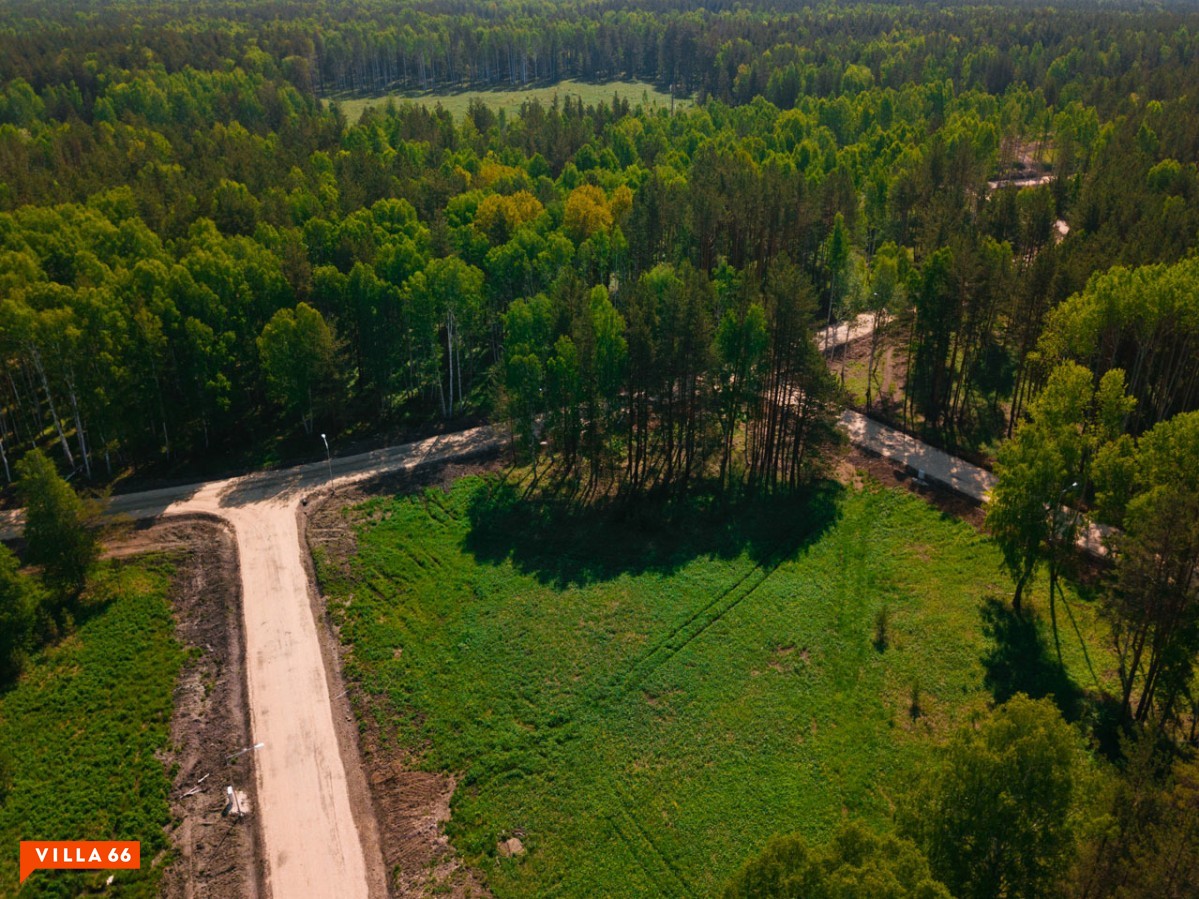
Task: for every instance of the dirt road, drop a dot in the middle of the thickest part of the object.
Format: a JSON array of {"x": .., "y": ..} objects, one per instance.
[
  {"x": 828, "y": 339},
  {"x": 318, "y": 832},
  {"x": 955, "y": 473},
  {"x": 313, "y": 835},
  {"x": 950, "y": 471}
]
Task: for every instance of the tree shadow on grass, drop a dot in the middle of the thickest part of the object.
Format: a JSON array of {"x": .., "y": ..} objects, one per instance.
[
  {"x": 1020, "y": 660},
  {"x": 570, "y": 544}
]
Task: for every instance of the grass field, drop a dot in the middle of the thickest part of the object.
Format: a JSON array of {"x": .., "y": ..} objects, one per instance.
[
  {"x": 456, "y": 102},
  {"x": 644, "y": 700},
  {"x": 82, "y": 731}
]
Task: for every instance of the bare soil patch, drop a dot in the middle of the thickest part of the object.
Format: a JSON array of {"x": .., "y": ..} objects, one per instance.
[
  {"x": 217, "y": 854},
  {"x": 886, "y": 403},
  {"x": 891, "y": 474},
  {"x": 411, "y": 806}
]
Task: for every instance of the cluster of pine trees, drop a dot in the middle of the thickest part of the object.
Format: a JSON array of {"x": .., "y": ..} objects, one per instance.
[
  {"x": 199, "y": 253},
  {"x": 160, "y": 216},
  {"x": 1114, "y": 432},
  {"x": 690, "y": 370},
  {"x": 1076, "y": 51}
]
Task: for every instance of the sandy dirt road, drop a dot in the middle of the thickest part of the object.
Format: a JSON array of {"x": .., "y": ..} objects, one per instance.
[
  {"x": 319, "y": 838},
  {"x": 318, "y": 833},
  {"x": 316, "y": 843},
  {"x": 838, "y": 333},
  {"x": 957, "y": 474}
]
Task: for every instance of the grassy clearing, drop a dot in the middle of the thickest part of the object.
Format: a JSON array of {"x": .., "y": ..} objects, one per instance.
[
  {"x": 457, "y": 102},
  {"x": 83, "y": 729},
  {"x": 645, "y": 700}
]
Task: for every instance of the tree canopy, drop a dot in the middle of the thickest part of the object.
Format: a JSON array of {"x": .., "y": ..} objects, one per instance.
[
  {"x": 855, "y": 864},
  {"x": 58, "y": 525},
  {"x": 995, "y": 816}
]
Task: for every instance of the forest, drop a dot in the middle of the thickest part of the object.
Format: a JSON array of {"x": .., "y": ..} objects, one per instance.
[
  {"x": 200, "y": 253},
  {"x": 203, "y": 262}
]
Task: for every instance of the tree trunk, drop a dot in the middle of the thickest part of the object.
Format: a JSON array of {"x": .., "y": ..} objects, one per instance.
[
  {"x": 1053, "y": 588},
  {"x": 1016, "y": 598},
  {"x": 449, "y": 358},
  {"x": 66, "y": 449}
]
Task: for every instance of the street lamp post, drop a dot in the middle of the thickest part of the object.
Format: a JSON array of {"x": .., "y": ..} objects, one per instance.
[
  {"x": 328, "y": 456},
  {"x": 242, "y": 752},
  {"x": 231, "y": 790},
  {"x": 1057, "y": 541}
]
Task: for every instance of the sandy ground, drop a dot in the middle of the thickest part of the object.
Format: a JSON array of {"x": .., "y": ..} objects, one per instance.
[
  {"x": 311, "y": 803},
  {"x": 411, "y": 805},
  {"x": 845, "y": 332},
  {"x": 938, "y": 465},
  {"x": 319, "y": 832},
  {"x": 217, "y": 854}
]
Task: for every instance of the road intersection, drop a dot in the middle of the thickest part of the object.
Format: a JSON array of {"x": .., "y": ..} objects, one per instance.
[{"x": 317, "y": 842}]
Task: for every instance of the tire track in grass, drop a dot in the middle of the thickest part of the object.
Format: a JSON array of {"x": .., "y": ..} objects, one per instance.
[
  {"x": 625, "y": 683},
  {"x": 626, "y": 804},
  {"x": 666, "y": 649},
  {"x": 646, "y": 666},
  {"x": 444, "y": 503},
  {"x": 613, "y": 820},
  {"x": 623, "y": 803}
]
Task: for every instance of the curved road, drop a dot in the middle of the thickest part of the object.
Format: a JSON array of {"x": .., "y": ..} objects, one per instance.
[{"x": 312, "y": 844}]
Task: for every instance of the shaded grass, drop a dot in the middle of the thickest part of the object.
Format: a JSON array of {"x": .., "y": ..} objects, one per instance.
[
  {"x": 645, "y": 700},
  {"x": 510, "y": 100},
  {"x": 563, "y": 543},
  {"x": 82, "y": 730}
]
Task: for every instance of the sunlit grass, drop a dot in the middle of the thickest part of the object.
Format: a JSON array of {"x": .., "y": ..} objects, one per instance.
[
  {"x": 83, "y": 730},
  {"x": 645, "y": 698},
  {"x": 457, "y": 102}
]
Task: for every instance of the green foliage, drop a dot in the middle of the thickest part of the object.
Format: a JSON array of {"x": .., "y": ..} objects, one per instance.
[
  {"x": 59, "y": 526},
  {"x": 1143, "y": 320},
  {"x": 445, "y": 306},
  {"x": 648, "y": 694},
  {"x": 1153, "y": 604},
  {"x": 162, "y": 205},
  {"x": 1047, "y": 462},
  {"x": 297, "y": 352},
  {"x": 855, "y": 864},
  {"x": 83, "y": 732},
  {"x": 1145, "y": 845},
  {"x": 20, "y": 600},
  {"x": 995, "y": 815}
]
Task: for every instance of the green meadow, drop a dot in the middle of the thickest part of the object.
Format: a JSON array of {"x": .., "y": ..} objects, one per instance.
[
  {"x": 82, "y": 732},
  {"x": 457, "y": 102},
  {"x": 645, "y": 697}
]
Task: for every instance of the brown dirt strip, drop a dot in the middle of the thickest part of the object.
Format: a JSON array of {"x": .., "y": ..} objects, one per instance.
[
  {"x": 217, "y": 856},
  {"x": 411, "y": 806}
]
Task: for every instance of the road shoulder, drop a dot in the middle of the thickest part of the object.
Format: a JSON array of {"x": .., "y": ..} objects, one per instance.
[
  {"x": 409, "y": 806},
  {"x": 216, "y": 855}
]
